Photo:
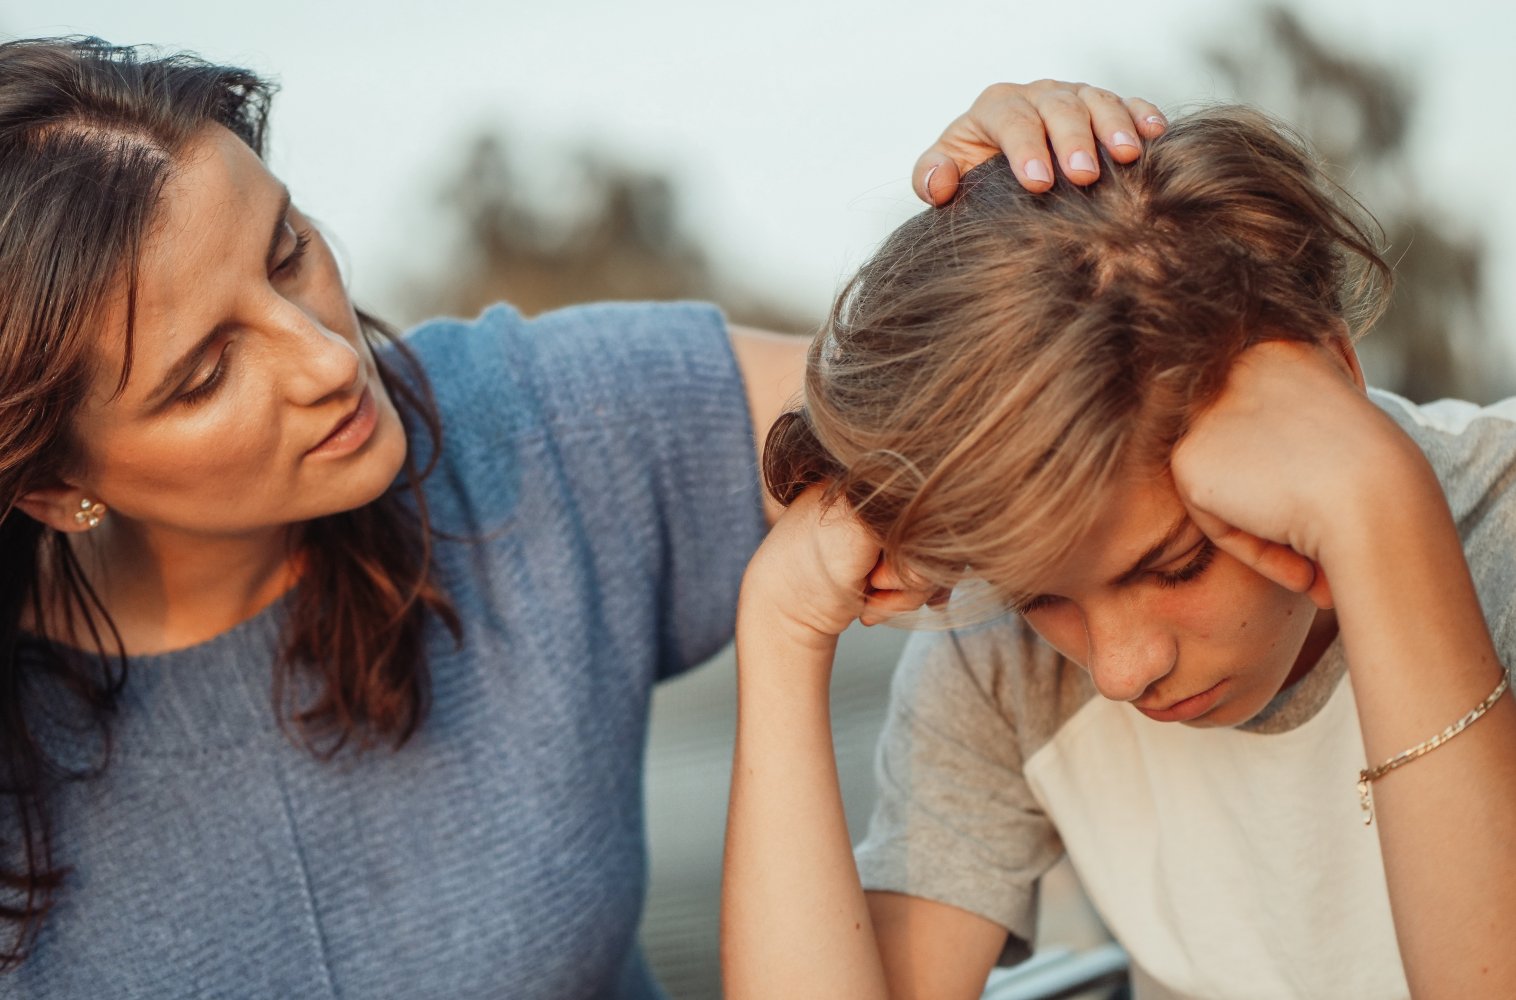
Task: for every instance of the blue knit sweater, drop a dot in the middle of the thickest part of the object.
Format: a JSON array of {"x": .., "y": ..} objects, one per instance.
[{"x": 600, "y": 460}]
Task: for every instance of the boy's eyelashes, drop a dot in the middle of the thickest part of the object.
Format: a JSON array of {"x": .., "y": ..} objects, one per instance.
[
  {"x": 1197, "y": 561},
  {"x": 1027, "y": 605}
]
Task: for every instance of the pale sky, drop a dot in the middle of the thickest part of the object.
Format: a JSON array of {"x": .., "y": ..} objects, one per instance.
[{"x": 790, "y": 126}]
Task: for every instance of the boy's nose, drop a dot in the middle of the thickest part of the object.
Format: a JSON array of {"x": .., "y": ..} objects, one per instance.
[{"x": 1126, "y": 653}]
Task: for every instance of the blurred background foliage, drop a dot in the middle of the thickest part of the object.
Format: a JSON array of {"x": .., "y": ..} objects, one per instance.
[
  {"x": 614, "y": 232},
  {"x": 1434, "y": 340},
  {"x": 617, "y": 231}
]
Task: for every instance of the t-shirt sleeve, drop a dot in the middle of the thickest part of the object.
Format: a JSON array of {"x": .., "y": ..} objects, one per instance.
[
  {"x": 955, "y": 821},
  {"x": 1473, "y": 451},
  {"x": 634, "y": 417}
]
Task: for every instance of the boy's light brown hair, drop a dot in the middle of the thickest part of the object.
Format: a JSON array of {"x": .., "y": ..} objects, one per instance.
[{"x": 1000, "y": 361}]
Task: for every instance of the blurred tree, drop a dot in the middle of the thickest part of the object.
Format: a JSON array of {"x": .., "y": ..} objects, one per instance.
[
  {"x": 1433, "y": 341},
  {"x": 607, "y": 231}
]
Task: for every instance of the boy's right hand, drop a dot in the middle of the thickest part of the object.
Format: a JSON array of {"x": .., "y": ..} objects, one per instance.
[{"x": 820, "y": 569}]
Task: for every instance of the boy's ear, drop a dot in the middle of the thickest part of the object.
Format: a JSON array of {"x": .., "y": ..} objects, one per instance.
[
  {"x": 1341, "y": 344},
  {"x": 62, "y": 508}
]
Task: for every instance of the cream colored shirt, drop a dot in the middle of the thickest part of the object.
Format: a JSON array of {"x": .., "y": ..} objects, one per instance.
[{"x": 1230, "y": 863}]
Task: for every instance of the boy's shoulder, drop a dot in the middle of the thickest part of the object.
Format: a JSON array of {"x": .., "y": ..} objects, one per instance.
[
  {"x": 1472, "y": 449},
  {"x": 1032, "y": 687}
]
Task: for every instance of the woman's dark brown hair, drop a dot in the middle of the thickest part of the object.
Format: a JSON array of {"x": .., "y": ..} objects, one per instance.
[
  {"x": 988, "y": 373},
  {"x": 88, "y": 134}
]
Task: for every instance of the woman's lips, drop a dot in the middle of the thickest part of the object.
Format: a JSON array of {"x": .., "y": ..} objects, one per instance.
[
  {"x": 352, "y": 431},
  {"x": 1190, "y": 708}
]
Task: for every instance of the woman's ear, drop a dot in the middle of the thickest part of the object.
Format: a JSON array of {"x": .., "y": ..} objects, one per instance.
[
  {"x": 63, "y": 508},
  {"x": 1340, "y": 342}
]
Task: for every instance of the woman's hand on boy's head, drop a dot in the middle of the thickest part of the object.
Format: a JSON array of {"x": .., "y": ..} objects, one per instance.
[
  {"x": 1019, "y": 119},
  {"x": 1285, "y": 459}
]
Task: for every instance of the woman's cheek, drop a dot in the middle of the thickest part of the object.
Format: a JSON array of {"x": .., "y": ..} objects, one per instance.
[{"x": 235, "y": 443}]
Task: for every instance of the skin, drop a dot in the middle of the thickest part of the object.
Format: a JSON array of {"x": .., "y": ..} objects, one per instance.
[
  {"x": 1024, "y": 120},
  {"x": 205, "y": 497},
  {"x": 1285, "y": 475},
  {"x": 1196, "y": 618},
  {"x": 206, "y": 477}
]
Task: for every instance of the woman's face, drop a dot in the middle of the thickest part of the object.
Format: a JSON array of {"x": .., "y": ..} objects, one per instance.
[
  {"x": 1162, "y": 619},
  {"x": 253, "y": 402}
]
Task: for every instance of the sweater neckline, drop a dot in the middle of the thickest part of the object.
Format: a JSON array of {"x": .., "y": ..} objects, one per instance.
[{"x": 214, "y": 695}]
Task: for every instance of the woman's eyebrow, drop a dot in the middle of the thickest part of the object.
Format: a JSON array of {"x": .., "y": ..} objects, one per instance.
[
  {"x": 1156, "y": 552},
  {"x": 186, "y": 363},
  {"x": 273, "y": 240},
  {"x": 180, "y": 369}
]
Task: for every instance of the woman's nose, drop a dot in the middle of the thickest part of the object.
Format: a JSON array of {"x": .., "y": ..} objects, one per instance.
[
  {"x": 321, "y": 362},
  {"x": 1126, "y": 651}
]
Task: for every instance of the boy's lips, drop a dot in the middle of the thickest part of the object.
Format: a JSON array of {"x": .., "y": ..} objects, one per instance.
[{"x": 1186, "y": 709}]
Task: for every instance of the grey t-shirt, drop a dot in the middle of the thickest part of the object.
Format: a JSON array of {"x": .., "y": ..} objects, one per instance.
[
  {"x": 1229, "y": 863},
  {"x": 597, "y": 477}
]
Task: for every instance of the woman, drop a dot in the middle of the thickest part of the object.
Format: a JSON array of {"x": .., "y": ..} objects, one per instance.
[
  {"x": 458, "y": 561},
  {"x": 1133, "y": 415}
]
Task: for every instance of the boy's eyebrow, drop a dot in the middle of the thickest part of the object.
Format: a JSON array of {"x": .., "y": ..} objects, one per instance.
[{"x": 1155, "y": 553}]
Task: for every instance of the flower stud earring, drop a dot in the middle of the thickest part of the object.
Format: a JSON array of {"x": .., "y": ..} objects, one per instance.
[{"x": 89, "y": 513}]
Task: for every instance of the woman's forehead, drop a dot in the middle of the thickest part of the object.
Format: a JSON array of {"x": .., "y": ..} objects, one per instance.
[
  {"x": 209, "y": 234},
  {"x": 209, "y": 201}
]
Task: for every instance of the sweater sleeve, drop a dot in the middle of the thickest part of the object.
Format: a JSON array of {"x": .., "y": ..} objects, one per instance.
[{"x": 633, "y": 417}]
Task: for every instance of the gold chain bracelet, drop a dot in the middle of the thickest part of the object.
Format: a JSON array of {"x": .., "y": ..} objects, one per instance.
[{"x": 1366, "y": 777}]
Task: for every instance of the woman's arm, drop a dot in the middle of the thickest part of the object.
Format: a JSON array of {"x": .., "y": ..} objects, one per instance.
[
  {"x": 1294, "y": 461},
  {"x": 1017, "y": 119},
  {"x": 795, "y": 920}
]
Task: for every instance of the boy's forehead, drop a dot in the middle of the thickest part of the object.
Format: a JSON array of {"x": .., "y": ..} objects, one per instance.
[{"x": 1137, "y": 517}]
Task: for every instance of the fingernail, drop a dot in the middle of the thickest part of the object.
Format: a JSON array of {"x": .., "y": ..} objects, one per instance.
[
  {"x": 1156, "y": 120},
  {"x": 1123, "y": 139},
  {"x": 1083, "y": 162},
  {"x": 926, "y": 183},
  {"x": 1036, "y": 170}
]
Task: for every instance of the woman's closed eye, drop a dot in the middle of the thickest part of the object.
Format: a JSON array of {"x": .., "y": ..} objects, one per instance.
[
  {"x": 290, "y": 265},
  {"x": 206, "y": 387}
]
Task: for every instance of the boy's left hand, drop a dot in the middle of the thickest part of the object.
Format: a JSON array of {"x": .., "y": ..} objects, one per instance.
[{"x": 1285, "y": 458}]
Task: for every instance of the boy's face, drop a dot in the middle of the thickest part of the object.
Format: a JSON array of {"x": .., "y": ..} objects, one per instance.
[{"x": 1164, "y": 620}]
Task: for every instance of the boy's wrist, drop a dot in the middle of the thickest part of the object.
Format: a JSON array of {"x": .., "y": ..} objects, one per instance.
[
  {"x": 765, "y": 620},
  {"x": 1391, "y": 493},
  {"x": 792, "y": 606},
  {"x": 1402, "y": 510}
]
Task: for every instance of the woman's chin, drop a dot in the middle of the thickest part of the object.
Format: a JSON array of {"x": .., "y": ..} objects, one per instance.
[{"x": 378, "y": 464}]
